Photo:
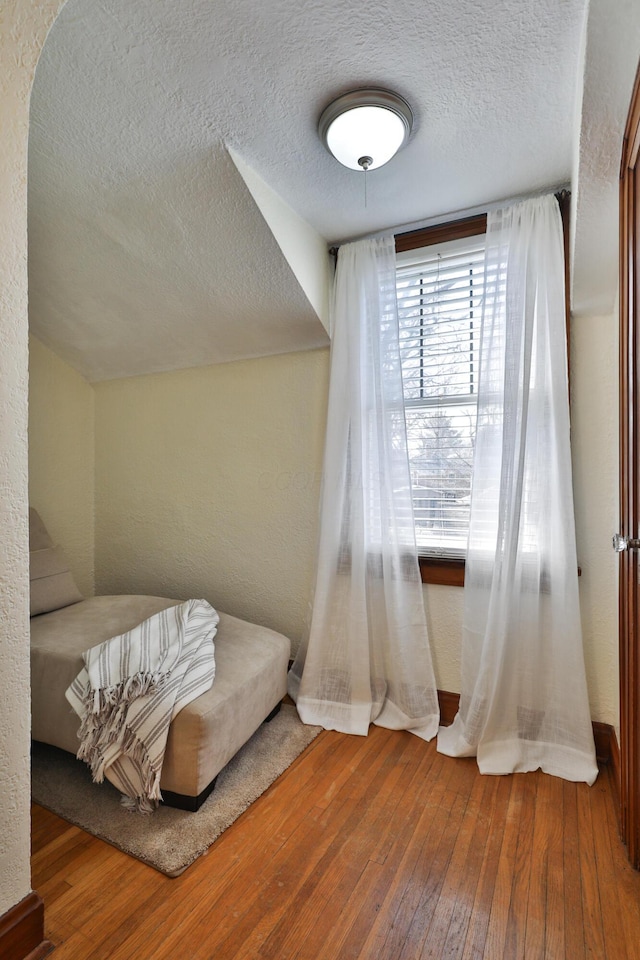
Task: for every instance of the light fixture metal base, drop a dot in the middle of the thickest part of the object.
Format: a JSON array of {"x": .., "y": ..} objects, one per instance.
[{"x": 367, "y": 97}]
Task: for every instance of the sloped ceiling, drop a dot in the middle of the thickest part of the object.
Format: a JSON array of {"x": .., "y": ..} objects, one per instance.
[{"x": 147, "y": 250}]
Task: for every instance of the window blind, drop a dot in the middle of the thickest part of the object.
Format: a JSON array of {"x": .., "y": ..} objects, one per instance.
[{"x": 439, "y": 291}]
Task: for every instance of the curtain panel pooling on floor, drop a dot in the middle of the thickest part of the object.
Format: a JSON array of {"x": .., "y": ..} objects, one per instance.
[
  {"x": 367, "y": 658},
  {"x": 524, "y": 702}
]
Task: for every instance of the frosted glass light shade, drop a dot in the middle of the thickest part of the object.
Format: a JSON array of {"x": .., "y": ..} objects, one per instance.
[{"x": 366, "y": 128}]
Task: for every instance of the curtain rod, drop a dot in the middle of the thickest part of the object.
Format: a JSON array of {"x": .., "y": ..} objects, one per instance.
[{"x": 561, "y": 193}]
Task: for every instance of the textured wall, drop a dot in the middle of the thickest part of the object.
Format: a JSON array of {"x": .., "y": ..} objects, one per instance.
[
  {"x": 23, "y": 25},
  {"x": 207, "y": 484},
  {"x": 443, "y": 606},
  {"x": 61, "y": 457},
  {"x": 594, "y": 412}
]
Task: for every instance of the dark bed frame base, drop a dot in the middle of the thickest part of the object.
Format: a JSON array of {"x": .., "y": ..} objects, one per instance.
[{"x": 181, "y": 801}]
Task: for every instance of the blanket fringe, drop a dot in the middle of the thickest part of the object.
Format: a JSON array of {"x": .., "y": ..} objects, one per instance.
[
  {"x": 106, "y": 711},
  {"x": 138, "y": 804},
  {"x": 104, "y": 725},
  {"x": 133, "y": 748},
  {"x": 139, "y": 685}
]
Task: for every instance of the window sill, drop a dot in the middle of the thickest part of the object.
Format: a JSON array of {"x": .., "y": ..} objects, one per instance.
[{"x": 445, "y": 571}]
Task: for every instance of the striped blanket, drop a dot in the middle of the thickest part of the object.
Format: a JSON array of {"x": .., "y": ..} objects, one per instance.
[{"x": 132, "y": 686}]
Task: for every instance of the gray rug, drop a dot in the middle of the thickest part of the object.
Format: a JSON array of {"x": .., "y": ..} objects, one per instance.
[{"x": 169, "y": 839}]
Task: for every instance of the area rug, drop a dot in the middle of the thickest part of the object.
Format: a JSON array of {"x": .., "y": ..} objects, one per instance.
[{"x": 169, "y": 840}]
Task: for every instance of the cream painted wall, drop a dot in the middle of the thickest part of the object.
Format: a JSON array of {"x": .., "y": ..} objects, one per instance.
[
  {"x": 61, "y": 458},
  {"x": 23, "y": 27},
  {"x": 594, "y": 414},
  {"x": 443, "y": 606},
  {"x": 207, "y": 485}
]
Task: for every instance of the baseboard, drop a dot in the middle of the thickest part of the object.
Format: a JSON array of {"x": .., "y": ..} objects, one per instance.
[
  {"x": 448, "y": 703},
  {"x": 604, "y": 735},
  {"x": 606, "y": 744},
  {"x": 608, "y": 752},
  {"x": 22, "y": 931},
  {"x": 616, "y": 768}
]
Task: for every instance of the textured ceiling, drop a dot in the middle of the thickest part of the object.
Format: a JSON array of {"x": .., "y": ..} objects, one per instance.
[{"x": 146, "y": 249}]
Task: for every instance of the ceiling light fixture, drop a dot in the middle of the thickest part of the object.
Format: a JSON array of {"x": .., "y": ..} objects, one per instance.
[{"x": 364, "y": 129}]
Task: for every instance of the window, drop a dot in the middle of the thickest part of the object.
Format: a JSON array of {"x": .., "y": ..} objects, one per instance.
[{"x": 440, "y": 288}]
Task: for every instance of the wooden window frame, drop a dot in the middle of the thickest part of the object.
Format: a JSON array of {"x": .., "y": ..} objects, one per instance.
[{"x": 443, "y": 571}]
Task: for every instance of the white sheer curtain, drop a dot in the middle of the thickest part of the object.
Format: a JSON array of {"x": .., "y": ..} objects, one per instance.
[
  {"x": 524, "y": 701},
  {"x": 367, "y": 657}
]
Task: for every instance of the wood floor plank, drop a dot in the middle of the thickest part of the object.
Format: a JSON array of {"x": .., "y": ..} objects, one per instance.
[
  {"x": 374, "y": 848},
  {"x": 536, "y": 851},
  {"x": 432, "y": 884},
  {"x": 520, "y": 903},
  {"x": 574, "y": 918},
  {"x": 464, "y": 872},
  {"x": 53, "y": 889},
  {"x": 277, "y": 887},
  {"x": 73, "y": 945},
  {"x": 403, "y": 807},
  {"x": 481, "y": 907},
  {"x": 591, "y": 905},
  {"x": 83, "y": 866},
  {"x": 45, "y": 827},
  {"x": 335, "y": 828},
  {"x": 387, "y": 932},
  {"x": 627, "y": 880},
  {"x": 377, "y": 894},
  {"x": 423, "y": 869},
  {"x": 501, "y": 904},
  {"x": 551, "y": 799},
  {"x": 617, "y": 947},
  {"x": 60, "y": 854},
  {"x": 346, "y": 858},
  {"x": 230, "y": 885},
  {"x": 437, "y": 937}
]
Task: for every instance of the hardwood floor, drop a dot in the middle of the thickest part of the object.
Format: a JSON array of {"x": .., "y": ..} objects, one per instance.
[{"x": 365, "y": 848}]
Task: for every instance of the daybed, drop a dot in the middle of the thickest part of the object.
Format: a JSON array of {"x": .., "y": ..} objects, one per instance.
[{"x": 250, "y": 680}]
